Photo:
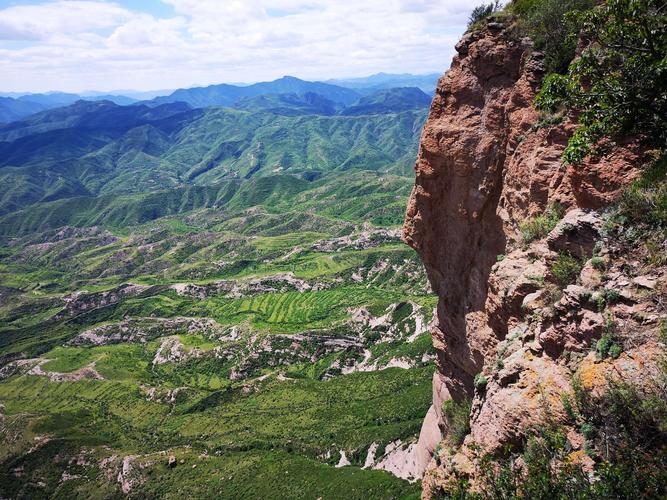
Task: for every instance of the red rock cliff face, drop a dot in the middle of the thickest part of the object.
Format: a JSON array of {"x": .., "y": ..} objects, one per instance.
[{"x": 485, "y": 164}]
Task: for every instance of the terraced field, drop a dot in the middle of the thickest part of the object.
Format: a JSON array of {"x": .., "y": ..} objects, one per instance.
[
  {"x": 209, "y": 303},
  {"x": 250, "y": 344}
]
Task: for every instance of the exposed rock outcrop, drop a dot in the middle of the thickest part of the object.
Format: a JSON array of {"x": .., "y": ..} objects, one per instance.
[{"x": 485, "y": 165}]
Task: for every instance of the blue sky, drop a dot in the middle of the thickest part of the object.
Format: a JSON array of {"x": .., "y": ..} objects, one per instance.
[
  {"x": 156, "y": 8},
  {"x": 76, "y": 45}
]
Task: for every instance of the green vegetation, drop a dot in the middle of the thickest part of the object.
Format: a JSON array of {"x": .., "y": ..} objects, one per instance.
[
  {"x": 598, "y": 263},
  {"x": 553, "y": 26},
  {"x": 291, "y": 422},
  {"x": 607, "y": 347},
  {"x": 183, "y": 160},
  {"x": 207, "y": 283},
  {"x": 538, "y": 227},
  {"x": 480, "y": 382},
  {"x": 457, "y": 415},
  {"x": 626, "y": 434},
  {"x": 481, "y": 12},
  {"x": 640, "y": 216},
  {"x": 617, "y": 87},
  {"x": 645, "y": 201},
  {"x": 565, "y": 269}
]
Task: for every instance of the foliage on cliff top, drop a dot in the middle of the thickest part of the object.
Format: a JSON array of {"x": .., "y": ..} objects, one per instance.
[
  {"x": 618, "y": 87},
  {"x": 553, "y": 26},
  {"x": 481, "y": 12}
]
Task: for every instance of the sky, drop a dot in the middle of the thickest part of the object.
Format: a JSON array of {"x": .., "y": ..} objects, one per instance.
[{"x": 78, "y": 45}]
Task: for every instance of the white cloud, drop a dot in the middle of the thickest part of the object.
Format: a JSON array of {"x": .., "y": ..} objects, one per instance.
[
  {"x": 72, "y": 45},
  {"x": 44, "y": 21}
]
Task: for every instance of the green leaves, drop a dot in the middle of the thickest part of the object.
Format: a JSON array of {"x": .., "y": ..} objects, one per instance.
[
  {"x": 553, "y": 27},
  {"x": 553, "y": 93},
  {"x": 618, "y": 86}
]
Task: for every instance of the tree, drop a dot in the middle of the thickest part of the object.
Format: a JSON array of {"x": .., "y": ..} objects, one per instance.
[
  {"x": 553, "y": 28},
  {"x": 618, "y": 86},
  {"x": 482, "y": 12}
]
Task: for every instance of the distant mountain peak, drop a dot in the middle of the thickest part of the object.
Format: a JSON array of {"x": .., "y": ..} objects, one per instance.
[{"x": 229, "y": 95}]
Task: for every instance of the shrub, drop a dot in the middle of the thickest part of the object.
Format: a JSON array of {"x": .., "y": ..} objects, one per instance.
[
  {"x": 567, "y": 406},
  {"x": 436, "y": 452},
  {"x": 457, "y": 415},
  {"x": 617, "y": 87},
  {"x": 645, "y": 201},
  {"x": 626, "y": 433},
  {"x": 585, "y": 297},
  {"x": 615, "y": 351},
  {"x": 602, "y": 346},
  {"x": 611, "y": 296},
  {"x": 566, "y": 269},
  {"x": 553, "y": 27},
  {"x": 640, "y": 217},
  {"x": 538, "y": 227},
  {"x": 628, "y": 419},
  {"x": 600, "y": 302},
  {"x": 588, "y": 430},
  {"x": 598, "y": 264},
  {"x": 547, "y": 120},
  {"x": 480, "y": 382},
  {"x": 607, "y": 347},
  {"x": 483, "y": 11}
]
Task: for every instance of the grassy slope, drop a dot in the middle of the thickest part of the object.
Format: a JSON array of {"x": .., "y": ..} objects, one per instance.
[
  {"x": 210, "y": 226},
  {"x": 280, "y": 425}
]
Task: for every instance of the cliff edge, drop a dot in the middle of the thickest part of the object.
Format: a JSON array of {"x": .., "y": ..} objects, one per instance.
[{"x": 512, "y": 333}]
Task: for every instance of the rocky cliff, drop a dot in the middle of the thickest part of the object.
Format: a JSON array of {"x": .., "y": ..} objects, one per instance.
[{"x": 511, "y": 334}]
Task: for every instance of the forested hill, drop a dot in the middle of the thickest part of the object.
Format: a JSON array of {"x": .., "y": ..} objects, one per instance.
[{"x": 73, "y": 154}]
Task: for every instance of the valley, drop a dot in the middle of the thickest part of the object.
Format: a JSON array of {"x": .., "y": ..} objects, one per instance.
[
  {"x": 395, "y": 286},
  {"x": 210, "y": 301}
]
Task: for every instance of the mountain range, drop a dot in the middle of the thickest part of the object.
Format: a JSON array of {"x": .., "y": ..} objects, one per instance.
[
  {"x": 15, "y": 106},
  {"x": 55, "y": 160},
  {"x": 226, "y": 262},
  {"x": 379, "y": 81}
]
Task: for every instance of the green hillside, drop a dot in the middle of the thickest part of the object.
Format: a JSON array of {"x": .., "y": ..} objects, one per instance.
[
  {"x": 91, "y": 149},
  {"x": 223, "y": 286}
]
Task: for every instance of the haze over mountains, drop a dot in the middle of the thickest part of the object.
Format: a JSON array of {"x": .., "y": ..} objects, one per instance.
[{"x": 15, "y": 106}]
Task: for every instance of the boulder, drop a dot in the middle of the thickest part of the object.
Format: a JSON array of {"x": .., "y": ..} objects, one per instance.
[{"x": 576, "y": 233}]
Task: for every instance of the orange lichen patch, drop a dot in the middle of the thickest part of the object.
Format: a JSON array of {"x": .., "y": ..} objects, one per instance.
[
  {"x": 575, "y": 457},
  {"x": 581, "y": 459},
  {"x": 634, "y": 366},
  {"x": 593, "y": 373}
]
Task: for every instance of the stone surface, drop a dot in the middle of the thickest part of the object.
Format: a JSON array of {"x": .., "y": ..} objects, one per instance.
[
  {"x": 486, "y": 163},
  {"x": 576, "y": 233}
]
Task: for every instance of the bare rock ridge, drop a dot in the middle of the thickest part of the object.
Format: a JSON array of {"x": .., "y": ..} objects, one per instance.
[{"x": 486, "y": 163}]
